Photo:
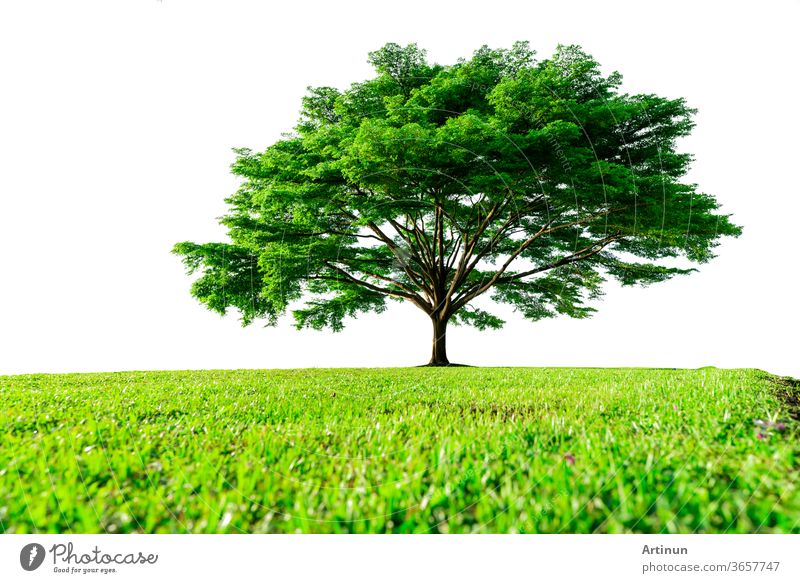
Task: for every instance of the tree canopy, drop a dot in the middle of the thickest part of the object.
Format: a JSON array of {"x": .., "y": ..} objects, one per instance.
[{"x": 527, "y": 181}]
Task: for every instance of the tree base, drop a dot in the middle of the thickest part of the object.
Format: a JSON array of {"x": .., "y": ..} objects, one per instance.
[{"x": 438, "y": 364}]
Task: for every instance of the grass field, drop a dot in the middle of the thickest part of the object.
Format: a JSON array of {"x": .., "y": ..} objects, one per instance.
[{"x": 399, "y": 450}]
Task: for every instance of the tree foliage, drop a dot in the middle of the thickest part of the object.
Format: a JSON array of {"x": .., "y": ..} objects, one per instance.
[{"x": 528, "y": 181}]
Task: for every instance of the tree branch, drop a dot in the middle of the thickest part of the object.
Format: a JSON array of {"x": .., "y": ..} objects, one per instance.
[
  {"x": 389, "y": 280},
  {"x": 414, "y": 298},
  {"x": 417, "y": 278},
  {"x": 476, "y": 290},
  {"x": 584, "y": 253}
]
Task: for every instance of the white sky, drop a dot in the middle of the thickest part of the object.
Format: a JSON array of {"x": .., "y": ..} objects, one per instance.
[{"x": 117, "y": 120}]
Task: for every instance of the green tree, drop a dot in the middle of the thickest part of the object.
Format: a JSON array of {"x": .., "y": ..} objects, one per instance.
[{"x": 529, "y": 181}]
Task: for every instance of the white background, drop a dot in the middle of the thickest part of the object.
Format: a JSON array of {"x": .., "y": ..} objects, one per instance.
[{"x": 117, "y": 119}]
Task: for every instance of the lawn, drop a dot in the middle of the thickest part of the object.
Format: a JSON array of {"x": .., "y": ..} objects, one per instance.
[{"x": 400, "y": 450}]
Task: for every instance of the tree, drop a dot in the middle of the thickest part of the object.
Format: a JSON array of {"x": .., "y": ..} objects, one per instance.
[{"x": 530, "y": 181}]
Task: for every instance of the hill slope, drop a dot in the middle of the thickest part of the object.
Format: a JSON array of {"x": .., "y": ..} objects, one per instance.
[{"x": 399, "y": 450}]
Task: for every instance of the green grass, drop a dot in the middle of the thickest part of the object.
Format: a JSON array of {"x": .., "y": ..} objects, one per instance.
[{"x": 398, "y": 450}]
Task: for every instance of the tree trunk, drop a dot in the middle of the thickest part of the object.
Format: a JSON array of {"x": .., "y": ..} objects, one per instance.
[{"x": 439, "y": 352}]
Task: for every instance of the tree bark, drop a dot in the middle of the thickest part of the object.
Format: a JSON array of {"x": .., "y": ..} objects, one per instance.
[{"x": 439, "y": 351}]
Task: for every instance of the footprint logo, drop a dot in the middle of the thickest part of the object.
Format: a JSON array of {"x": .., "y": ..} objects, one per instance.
[{"x": 31, "y": 556}]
